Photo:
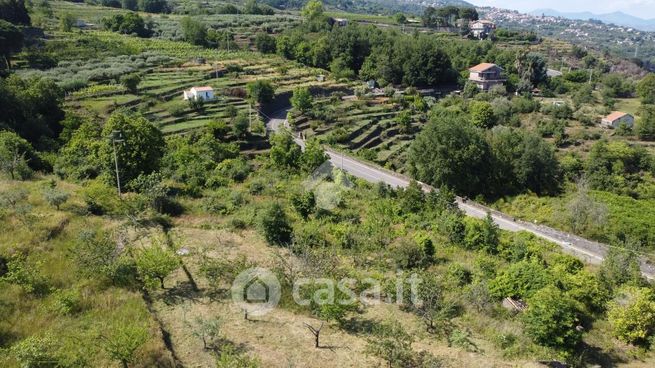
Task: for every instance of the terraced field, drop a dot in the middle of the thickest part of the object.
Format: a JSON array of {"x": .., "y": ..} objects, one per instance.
[
  {"x": 368, "y": 127},
  {"x": 160, "y": 93},
  {"x": 244, "y": 27}
]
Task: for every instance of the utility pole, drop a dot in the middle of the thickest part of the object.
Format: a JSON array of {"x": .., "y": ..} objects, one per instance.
[{"x": 117, "y": 137}]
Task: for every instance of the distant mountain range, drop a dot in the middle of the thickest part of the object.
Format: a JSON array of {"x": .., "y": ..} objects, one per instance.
[{"x": 618, "y": 18}]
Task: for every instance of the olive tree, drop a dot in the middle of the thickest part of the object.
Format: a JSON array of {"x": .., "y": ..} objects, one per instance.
[{"x": 155, "y": 263}]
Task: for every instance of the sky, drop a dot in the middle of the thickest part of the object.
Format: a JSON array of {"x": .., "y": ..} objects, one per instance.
[{"x": 639, "y": 8}]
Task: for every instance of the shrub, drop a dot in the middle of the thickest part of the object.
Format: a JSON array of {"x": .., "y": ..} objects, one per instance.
[
  {"x": 33, "y": 351},
  {"x": 27, "y": 276},
  {"x": 632, "y": 315},
  {"x": 520, "y": 280},
  {"x": 408, "y": 255},
  {"x": 15, "y": 153},
  {"x": 155, "y": 263},
  {"x": 67, "y": 302},
  {"x": 551, "y": 319},
  {"x": 55, "y": 197},
  {"x": 235, "y": 169},
  {"x": 275, "y": 226}
]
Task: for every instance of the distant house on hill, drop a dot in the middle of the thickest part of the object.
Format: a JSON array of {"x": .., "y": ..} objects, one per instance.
[
  {"x": 486, "y": 75},
  {"x": 481, "y": 28},
  {"x": 340, "y": 22},
  {"x": 615, "y": 119},
  {"x": 199, "y": 93}
]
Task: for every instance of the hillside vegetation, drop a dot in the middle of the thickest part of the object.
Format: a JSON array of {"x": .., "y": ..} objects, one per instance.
[{"x": 141, "y": 229}]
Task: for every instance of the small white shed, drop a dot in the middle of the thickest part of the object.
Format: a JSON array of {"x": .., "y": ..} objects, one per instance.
[{"x": 199, "y": 93}]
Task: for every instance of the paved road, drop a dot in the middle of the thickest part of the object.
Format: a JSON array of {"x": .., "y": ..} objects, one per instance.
[{"x": 586, "y": 250}]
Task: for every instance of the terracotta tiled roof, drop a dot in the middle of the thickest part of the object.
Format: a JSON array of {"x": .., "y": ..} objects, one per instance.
[
  {"x": 615, "y": 115},
  {"x": 482, "y": 67}
]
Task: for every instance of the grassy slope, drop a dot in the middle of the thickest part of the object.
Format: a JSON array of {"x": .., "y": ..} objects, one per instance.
[{"x": 46, "y": 236}]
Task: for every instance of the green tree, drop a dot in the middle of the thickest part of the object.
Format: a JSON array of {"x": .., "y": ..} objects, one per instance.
[
  {"x": 400, "y": 18},
  {"x": 482, "y": 114},
  {"x": 646, "y": 125},
  {"x": 523, "y": 160},
  {"x": 15, "y": 153},
  {"x": 392, "y": 343},
  {"x": 302, "y": 99},
  {"x": 621, "y": 265},
  {"x": 11, "y": 41},
  {"x": 152, "y": 189},
  {"x": 333, "y": 307},
  {"x": 240, "y": 125},
  {"x": 130, "y": 4},
  {"x": 313, "y": 10},
  {"x": 140, "y": 152},
  {"x": 123, "y": 341},
  {"x": 632, "y": 315},
  {"x": 36, "y": 352},
  {"x": 470, "y": 89},
  {"x": 531, "y": 67},
  {"x": 97, "y": 256},
  {"x": 265, "y": 43},
  {"x": 275, "y": 225},
  {"x": 155, "y": 263},
  {"x": 79, "y": 158},
  {"x": 194, "y": 31},
  {"x": 551, "y": 319},
  {"x": 520, "y": 280},
  {"x": 404, "y": 120},
  {"x": 304, "y": 203},
  {"x": 313, "y": 156},
  {"x": 412, "y": 198},
  {"x": 190, "y": 158},
  {"x": 32, "y": 109},
  {"x": 425, "y": 242},
  {"x": 585, "y": 213},
  {"x": 128, "y": 23},
  {"x": 489, "y": 235},
  {"x": 131, "y": 82},
  {"x": 433, "y": 308},
  {"x": 450, "y": 151},
  {"x": 153, "y": 6},
  {"x": 14, "y": 11},
  {"x": 55, "y": 197},
  {"x": 25, "y": 274},
  {"x": 646, "y": 89},
  {"x": 207, "y": 330},
  {"x": 284, "y": 153},
  {"x": 67, "y": 22},
  {"x": 260, "y": 91}
]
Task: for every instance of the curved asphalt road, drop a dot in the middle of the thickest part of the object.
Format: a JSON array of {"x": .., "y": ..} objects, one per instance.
[{"x": 586, "y": 250}]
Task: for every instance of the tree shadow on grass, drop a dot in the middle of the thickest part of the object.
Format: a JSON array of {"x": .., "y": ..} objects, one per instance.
[
  {"x": 357, "y": 325},
  {"x": 593, "y": 355},
  {"x": 217, "y": 294},
  {"x": 222, "y": 344},
  {"x": 183, "y": 291}
]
